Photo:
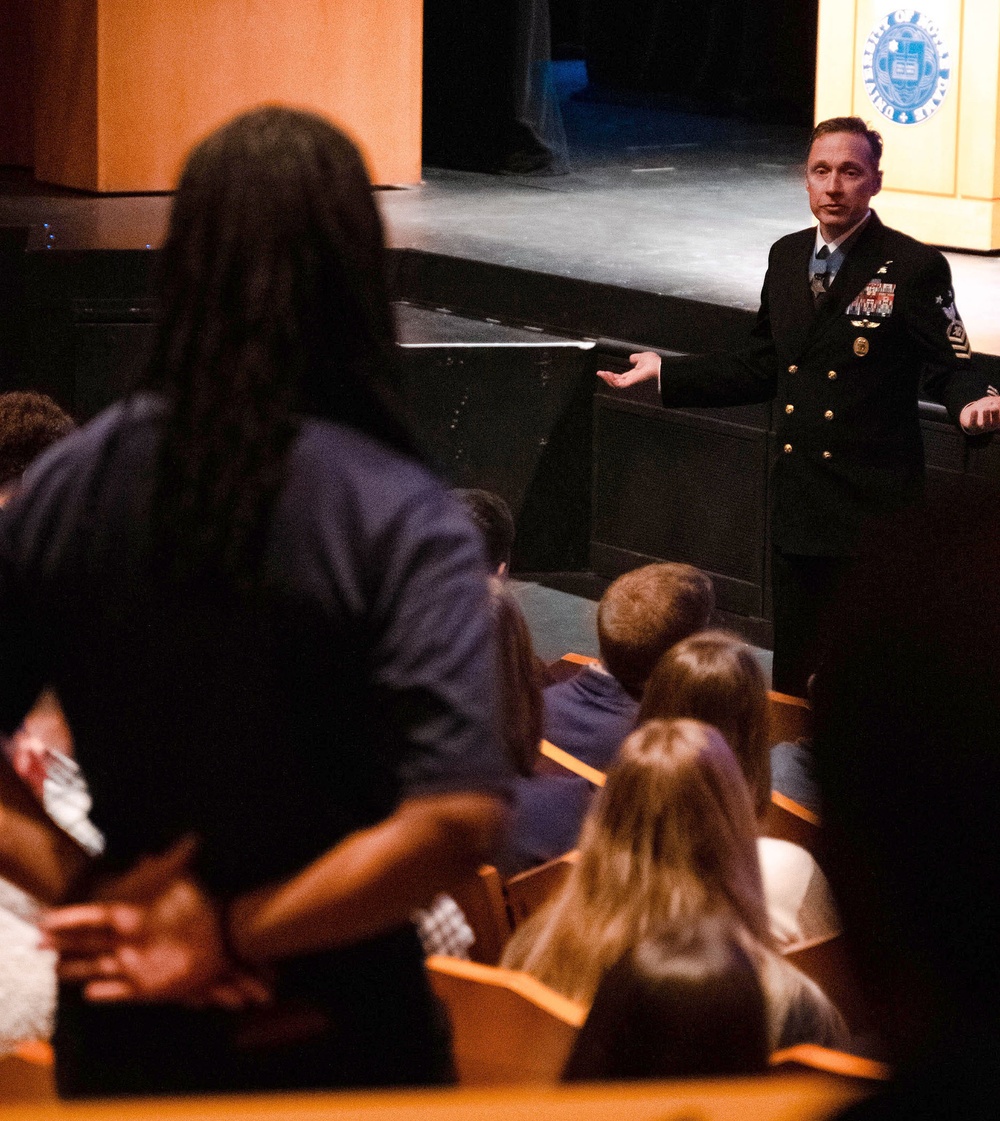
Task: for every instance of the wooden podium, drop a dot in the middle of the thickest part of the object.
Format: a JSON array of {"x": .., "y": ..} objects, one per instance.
[
  {"x": 928, "y": 78},
  {"x": 123, "y": 89}
]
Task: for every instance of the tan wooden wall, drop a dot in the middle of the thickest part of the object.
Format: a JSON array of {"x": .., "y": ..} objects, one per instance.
[
  {"x": 942, "y": 176},
  {"x": 123, "y": 89}
]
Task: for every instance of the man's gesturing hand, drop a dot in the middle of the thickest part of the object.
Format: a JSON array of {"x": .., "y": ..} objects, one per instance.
[
  {"x": 645, "y": 366},
  {"x": 982, "y": 415}
]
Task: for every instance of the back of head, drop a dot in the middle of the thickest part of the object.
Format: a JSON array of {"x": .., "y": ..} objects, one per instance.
[
  {"x": 689, "y": 1004},
  {"x": 713, "y": 676},
  {"x": 274, "y": 304},
  {"x": 492, "y": 517},
  {"x": 644, "y": 613},
  {"x": 29, "y": 423},
  {"x": 668, "y": 840},
  {"x": 521, "y": 707}
]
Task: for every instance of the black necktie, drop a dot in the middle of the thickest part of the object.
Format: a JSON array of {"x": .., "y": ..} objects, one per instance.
[{"x": 819, "y": 282}]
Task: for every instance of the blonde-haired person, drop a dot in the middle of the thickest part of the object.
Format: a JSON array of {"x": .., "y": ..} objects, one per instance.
[
  {"x": 714, "y": 676},
  {"x": 668, "y": 842}
]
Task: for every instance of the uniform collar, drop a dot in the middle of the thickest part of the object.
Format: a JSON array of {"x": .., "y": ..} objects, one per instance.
[{"x": 833, "y": 246}]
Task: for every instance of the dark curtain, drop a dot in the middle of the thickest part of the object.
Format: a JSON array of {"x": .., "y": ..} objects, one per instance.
[
  {"x": 489, "y": 102},
  {"x": 755, "y": 56}
]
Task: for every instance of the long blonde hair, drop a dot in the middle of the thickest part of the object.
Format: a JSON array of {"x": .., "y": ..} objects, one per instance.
[
  {"x": 670, "y": 839},
  {"x": 714, "y": 676}
]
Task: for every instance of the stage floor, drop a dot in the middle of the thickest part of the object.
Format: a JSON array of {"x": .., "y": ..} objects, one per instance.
[{"x": 655, "y": 201}]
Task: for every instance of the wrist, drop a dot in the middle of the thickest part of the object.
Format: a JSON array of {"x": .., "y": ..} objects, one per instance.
[{"x": 232, "y": 920}]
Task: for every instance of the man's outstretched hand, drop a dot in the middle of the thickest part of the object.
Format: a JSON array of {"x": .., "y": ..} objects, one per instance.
[
  {"x": 152, "y": 935},
  {"x": 982, "y": 415},
  {"x": 645, "y": 365}
]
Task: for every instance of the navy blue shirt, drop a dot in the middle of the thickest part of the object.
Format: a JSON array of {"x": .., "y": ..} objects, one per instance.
[
  {"x": 589, "y": 715},
  {"x": 273, "y": 725},
  {"x": 548, "y": 813}
]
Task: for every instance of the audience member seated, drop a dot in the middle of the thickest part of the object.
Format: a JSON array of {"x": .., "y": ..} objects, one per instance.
[
  {"x": 793, "y": 769},
  {"x": 793, "y": 773},
  {"x": 442, "y": 927},
  {"x": 492, "y": 517},
  {"x": 30, "y": 423},
  {"x": 273, "y": 648},
  {"x": 668, "y": 842},
  {"x": 641, "y": 614},
  {"x": 680, "y": 1007},
  {"x": 714, "y": 677},
  {"x": 548, "y": 808}
]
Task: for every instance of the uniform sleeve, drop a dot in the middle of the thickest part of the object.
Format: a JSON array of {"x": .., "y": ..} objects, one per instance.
[
  {"x": 434, "y": 659},
  {"x": 949, "y": 372},
  {"x": 744, "y": 377}
]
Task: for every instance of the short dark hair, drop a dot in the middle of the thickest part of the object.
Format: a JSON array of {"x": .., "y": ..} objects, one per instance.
[
  {"x": 493, "y": 519},
  {"x": 644, "y": 613},
  {"x": 29, "y": 423},
  {"x": 849, "y": 124}
]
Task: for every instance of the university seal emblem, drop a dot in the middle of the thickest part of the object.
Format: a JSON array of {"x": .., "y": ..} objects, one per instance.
[{"x": 906, "y": 67}]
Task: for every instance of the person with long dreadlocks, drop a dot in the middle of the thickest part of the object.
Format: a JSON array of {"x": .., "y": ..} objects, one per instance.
[{"x": 268, "y": 625}]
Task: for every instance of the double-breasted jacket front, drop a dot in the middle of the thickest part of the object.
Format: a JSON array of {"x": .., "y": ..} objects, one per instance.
[{"x": 846, "y": 379}]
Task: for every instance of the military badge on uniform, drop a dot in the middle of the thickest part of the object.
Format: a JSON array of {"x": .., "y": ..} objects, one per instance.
[
  {"x": 875, "y": 299},
  {"x": 956, "y": 329},
  {"x": 861, "y": 346}
]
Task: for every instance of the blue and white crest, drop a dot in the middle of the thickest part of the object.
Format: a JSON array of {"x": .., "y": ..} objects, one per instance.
[{"x": 906, "y": 67}]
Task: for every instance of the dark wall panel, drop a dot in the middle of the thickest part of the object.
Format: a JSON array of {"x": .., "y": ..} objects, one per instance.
[
  {"x": 678, "y": 486},
  {"x": 517, "y": 422}
]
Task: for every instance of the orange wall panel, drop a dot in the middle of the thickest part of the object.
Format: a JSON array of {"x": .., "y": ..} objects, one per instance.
[
  {"x": 169, "y": 72},
  {"x": 65, "y": 57}
]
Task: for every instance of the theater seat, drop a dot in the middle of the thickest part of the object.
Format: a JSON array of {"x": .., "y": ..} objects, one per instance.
[
  {"x": 788, "y": 821},
  {"x": 553, "y": 760},
  {"x": 527, "y": 891},
  {"x": 26, "y": 1074},
  {"x": 507, "y": 1027},
  {"x": 810, "y": 1056},
  {"x": 481, "y": 898}
]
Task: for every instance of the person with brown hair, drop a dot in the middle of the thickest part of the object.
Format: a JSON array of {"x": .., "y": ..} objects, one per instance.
[
  {"x": 492, "y": 516},
  {"x": 685, "y": 1006},
  {"x": 29, "y": 423},
  {"x": 856, "y": 320},
  {"x": 668, "y": 842},
  {"x": 715, "y": 677},
  {"x": 640, "y": 615},
  {"x": 442, "y": 926}
]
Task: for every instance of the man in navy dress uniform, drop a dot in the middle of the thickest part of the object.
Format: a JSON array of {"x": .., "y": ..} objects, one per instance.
[{"x": 855, "y": 320}]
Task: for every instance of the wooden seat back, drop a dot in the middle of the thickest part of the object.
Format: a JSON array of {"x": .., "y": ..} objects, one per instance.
[
  {"x": 506, "y": 1026},
  {"x": 481, "y": 898},
  {"x": 810, "y": 1056},
  {"x": 553, "y": 760},
  {"x": 790, "y": 718},
  {"x": 27, "y": 1074},
  {"x": 788, "y": 821},
  {"x": 528, "y": 890}
]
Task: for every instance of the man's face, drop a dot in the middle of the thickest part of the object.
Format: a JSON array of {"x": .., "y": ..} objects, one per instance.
[{"x": 841, "y": 178}]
